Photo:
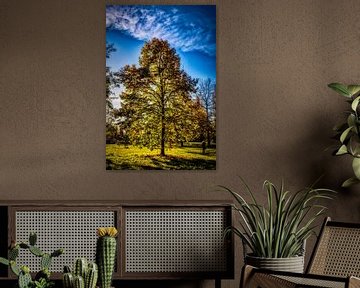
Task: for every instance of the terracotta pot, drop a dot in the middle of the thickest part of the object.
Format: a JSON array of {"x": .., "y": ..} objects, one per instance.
[{"x": 291, "y": 264}]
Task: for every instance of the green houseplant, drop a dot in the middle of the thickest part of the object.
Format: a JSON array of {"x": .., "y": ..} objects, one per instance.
[
  {"x": 275, "y": 233},
  {"x": 348, "y": 132}
]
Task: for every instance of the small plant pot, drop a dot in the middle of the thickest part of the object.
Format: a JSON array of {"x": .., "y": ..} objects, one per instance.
[{"x": 291, "y": 264}]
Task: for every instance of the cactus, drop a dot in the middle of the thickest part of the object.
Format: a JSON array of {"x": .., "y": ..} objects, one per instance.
[
  {"x": 13, "y": 253},
  {"x": 57, "y": 252},
  {"x": 79, "y": 282},
  {"x": 67, "y": 269},
  {"x": 91, "y": 276},
  {"x": 42, "y": 278},
  {"x": 44, "y": 273},
  {"x": 4, "y": 261},
  {"x": 32, "y": 238},
  {"x": 36, "y": 251},
  {"x": 105, "y": 254},
  {"x": 14, "y": 268},
  {"x": 24, "y": 280},
  {"x": 24, "y": 245},
  {"x": 45, "y": 261},
  {"x": 68, "y": 280},
  {"x": 80, "y": 268},
  {"x": 88, "y": 273}
]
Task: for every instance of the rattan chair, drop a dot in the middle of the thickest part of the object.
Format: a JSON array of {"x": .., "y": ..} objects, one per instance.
[{"x": 334, "y": 263}]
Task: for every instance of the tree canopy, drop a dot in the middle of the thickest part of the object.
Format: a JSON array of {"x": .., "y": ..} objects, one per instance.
[
  {"x": 160, "y": 104},
  {"x": 156, "y": 103}
]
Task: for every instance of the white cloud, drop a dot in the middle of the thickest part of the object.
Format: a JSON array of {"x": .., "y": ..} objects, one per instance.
[{"x": 183, "y": 31}]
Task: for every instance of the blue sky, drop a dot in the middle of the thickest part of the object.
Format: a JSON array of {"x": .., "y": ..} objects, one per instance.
[{"x": 190, "y": 29}]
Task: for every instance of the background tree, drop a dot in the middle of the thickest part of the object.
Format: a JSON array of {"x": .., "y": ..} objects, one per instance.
[
  {"x": 206, "y": 95},
  {"x": 112, "y": 128},
  {"x": 111, "y": 81},
  {"x": 156, "y": 98}
]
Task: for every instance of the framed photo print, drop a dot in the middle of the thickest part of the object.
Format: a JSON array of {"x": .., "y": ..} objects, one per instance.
[{"x": 161, "y": 87}]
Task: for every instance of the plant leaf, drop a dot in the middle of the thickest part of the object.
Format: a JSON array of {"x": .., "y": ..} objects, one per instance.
[
  {"x": 342, "y": 150},
  {"x": 345, "y": 134},
  {"x": 353, "y": 89},
  {"x": 340, "y": 88},
  {"x": 356, "y": 167},
  {"x": 355, "y": 103},
  {"x": 349, "y": 182},
  {"x": 354, "y": 144},
  {"x": 351, "y": 120},
  {"x": 4, "y": 261}
]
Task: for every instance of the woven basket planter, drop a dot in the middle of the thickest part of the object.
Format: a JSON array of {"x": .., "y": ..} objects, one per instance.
[{"x": 291, "y": 264}]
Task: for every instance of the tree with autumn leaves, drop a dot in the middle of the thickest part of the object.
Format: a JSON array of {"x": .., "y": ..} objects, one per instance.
[{"x": 158, "y": 107}]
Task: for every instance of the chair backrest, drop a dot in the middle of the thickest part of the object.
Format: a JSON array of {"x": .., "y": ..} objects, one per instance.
[{"x": 337, "y": 251}]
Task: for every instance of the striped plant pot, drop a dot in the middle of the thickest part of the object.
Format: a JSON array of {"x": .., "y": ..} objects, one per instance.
[{"x": 291, "y": 264}]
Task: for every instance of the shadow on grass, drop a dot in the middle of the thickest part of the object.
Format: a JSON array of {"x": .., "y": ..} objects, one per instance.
[
  {"x": 177, "y": 163},
  {"x": 110, "y": 165},
  {"x": 165, "y": 163},
  {"x": 207, "y": 153}
]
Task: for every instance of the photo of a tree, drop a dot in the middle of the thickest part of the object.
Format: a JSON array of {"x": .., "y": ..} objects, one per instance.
[{"x": 161, "y": 87}]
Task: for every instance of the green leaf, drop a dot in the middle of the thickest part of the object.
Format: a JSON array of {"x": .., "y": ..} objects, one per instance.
[
  {"x": 345, "y": 134},
  {"x": 355, "y": 103},
  {"x": 342, "y": 150},
  {"x": 340, "y": 88},
  {"x": 356, "y": 167},
  {"x": 353, "y": 89},
  {"x": 351, "y": 120},
  {"x": 349, "y": 182},
  {"x": 354, "y": 145},
  {"x": 4, "y": 261}
]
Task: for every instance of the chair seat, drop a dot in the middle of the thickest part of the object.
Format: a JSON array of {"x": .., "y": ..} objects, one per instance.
[
  {"x": 269, "y": 279},
  {"x": 314, "y": 282}
]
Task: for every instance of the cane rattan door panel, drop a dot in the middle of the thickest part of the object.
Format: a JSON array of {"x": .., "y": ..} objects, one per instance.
[
  {"x": 167, "y": 241},
  {"x": 74, "y": 231}
]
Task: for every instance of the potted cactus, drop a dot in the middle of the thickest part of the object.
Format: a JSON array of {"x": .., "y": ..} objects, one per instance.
[
  {"x": 42, "y": 278},
  {"x": 84, "y": 275},
  {"x": 106, "y": 254}
]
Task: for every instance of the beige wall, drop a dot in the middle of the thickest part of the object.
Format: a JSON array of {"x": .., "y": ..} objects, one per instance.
[{"x": 275, "y": 113}]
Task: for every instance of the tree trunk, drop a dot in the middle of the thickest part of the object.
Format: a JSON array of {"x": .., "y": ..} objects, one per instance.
[
  {"x": 208, "y": 137},
  {"x": 208, "y": 126},
  {"x": 162, "y": 151}
]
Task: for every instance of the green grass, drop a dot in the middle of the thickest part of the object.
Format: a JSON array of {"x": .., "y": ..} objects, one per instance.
[{"x": 121, "y": 157}]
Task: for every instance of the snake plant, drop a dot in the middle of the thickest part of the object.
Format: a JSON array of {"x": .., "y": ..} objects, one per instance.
[{"x": 279, "y": 228}]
